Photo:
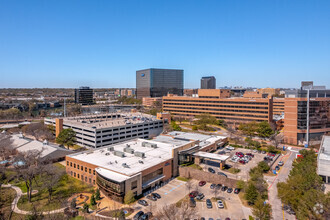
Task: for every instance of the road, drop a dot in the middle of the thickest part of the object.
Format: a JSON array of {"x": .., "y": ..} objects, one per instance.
[{"x": 272, "y": 181}]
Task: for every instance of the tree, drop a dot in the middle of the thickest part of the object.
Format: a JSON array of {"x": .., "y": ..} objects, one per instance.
[
  {"x": 129, "y": 197},
  {"x": 93, "y": 202},
  {"x": 251, "y": 193},
  {"x": 66, "y": 137},
  {"x": 73, "y": 204},
  {"x": 51, "y": 177},
  {"x": 28, "y": 166},
  {"x": 240, "y": 184},
  {"x": 194, "y": 128},
  {"x": 277, "y": 139},
  {"x": 263, "y": 166},
  {"x": 38, "y": 130},
  {"x": 261, "y": 210},
  {"x": 172, "y": 212},
  {"x": 175, "y": 127},
  {"x": 264, "y": 129},
  {"x": 86, "y": 208},
  {"x": 97, "y": 194},
  {"x": 6, "y": 147}
]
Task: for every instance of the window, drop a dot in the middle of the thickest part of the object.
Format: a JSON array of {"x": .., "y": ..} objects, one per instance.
[
  {"x": 74, "y": 165},
  {"x": 78, "y": 175},
  {"x": 71, "y": 173},
  {"x": 74, "y": 174},
  {"x": 82, "y": 168},
  {"x": 67, "y": 163},
  {"x": 78, "y": 166},
  {"x": 70, "y": 164},
  {"x": 85, "y": 178},
  {"x": 93, "y": 182},
  {"x": 82, "y": 177},
  {"x": 90, "y": 171},
  {"x": 85, "y": 169},
  {"x": 90, "y": 180},
  {"x": 93, "y": 172}
]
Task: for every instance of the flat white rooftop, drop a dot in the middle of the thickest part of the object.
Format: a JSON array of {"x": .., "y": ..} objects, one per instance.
[
  {"x": 211, "y": 156},
  {"x": 103, "y": 158},
  {"x": 323, "y": 160}
]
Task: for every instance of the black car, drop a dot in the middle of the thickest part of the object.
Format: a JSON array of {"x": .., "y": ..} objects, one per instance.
[
  {"x": 222, "y": 174},
  {"x": 156, "y": 195},
  {"x": 218, "y": 186},
  {"x": 138, "y": 215},
  {"x": 143, "y": 202},
  {"x": 146, "y": 216},
  {"x": 208, "y": 204},
  {"x": 211, "y": 170},
  {"x": 236, "y": 191},
  {"x": 212, "y": 186},
  {"x": 229, "y": 190},
  {"x": 153, "y": 198},
  {"x": 224, "y": 188},
  {"x": 192, "y": 202},
  {"x": 277, "y": 168}
]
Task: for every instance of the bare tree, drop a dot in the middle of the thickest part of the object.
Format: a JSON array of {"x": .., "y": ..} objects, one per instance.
[
  {"x": 28, "y": 166},
  {"x": 38, "y": 130},
  {"x": 187, "y": 212},
  {"x": 6, "y": 146},
  {"x": 168, "y": 212},
  {"x": 172, "y": 212},
  {"x": 277, "y": 139},
  {"x": 51, "y": 177}
]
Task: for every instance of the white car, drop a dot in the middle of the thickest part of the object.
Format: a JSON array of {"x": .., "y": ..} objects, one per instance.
[
  {"x": 230, "y": 148},
  {"x": 220, "y": 204},
  {"x": 281, "y": 163}
]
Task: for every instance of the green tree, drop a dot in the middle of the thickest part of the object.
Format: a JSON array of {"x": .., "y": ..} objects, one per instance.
[
  {"x": 194, "y": 128},
  {"x": 66, "y": 137},
  {"x": 263, "y": 166},
  {"x": 175, "y": 127},
  {"x": 251, "y": 193},
  {"x": 129, "y": 197},
  {"x": 240, "y": 184},
  {"x": 97, "y": 194},
  {"x": 264, "y": 129},
  {"x": 93, "y": 202},
  {"x": 261, "y": 210}
]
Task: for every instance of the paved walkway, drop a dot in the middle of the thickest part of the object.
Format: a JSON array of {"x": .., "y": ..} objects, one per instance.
[{"x": 19, "y": 193}]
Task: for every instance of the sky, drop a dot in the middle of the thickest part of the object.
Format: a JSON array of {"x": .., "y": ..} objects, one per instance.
[{"x": 101, "y": 43}]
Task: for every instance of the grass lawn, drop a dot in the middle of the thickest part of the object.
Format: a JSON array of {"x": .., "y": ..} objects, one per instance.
[
  {"x": 234, "y": 170},
  {"x": 66, "y": 187}
]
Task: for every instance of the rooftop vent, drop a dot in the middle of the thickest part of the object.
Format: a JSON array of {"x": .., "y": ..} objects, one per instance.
[
  {"x": 119, "y": 153},
  {"x": 129, "y": 150},
  {"x": 147, "y": 144},
  {"x": 140, "y": 161},
  {"x": 139, "y": 154},
  {"x": 111, "y": 149},
  {"x": 125, "y": 165}
]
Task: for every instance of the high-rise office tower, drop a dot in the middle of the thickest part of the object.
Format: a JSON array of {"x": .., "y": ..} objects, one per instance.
[
  {"x": 83, "y": 95},
  {"x": 208, "y": 82},
  {"x": 159, "y": 82}
]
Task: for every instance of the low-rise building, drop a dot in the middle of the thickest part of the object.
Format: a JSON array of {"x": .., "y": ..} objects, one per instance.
[
  {"x": 105, "y": 129},
  {"x": 138, "y": 165},
  {"x": 152, "y": 101}
]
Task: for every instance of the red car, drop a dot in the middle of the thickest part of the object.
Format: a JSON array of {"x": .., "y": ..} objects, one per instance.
[
  {"x": 242, "y": 161},
  {"x": 193, "y": 194},
  {"x": 201, "y": 183},
  {"x": 249, "y": 154}
]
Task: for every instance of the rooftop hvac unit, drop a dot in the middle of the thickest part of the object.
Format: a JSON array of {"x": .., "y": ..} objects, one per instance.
[
  {"x": 139, "y": 154},
  {"x": 129, "y": 150},
  {"x": 107, "y": 154},
  {"x": 119, "y": 153},
  {"x": 147, "y": 144},
  {"x": 111, "y": 149}
]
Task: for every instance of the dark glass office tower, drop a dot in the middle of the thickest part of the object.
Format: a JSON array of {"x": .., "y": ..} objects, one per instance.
[
  {"x": 208, "y": 82},
  {"x": 83, "y": 95},
  {"x": 158, "y": 82}
]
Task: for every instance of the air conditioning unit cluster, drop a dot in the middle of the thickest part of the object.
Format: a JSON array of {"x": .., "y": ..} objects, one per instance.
[
  {"x": 119, "y": 154},
  {"x": 139, "y": 154},
  {"x": 147, "y": 144}
]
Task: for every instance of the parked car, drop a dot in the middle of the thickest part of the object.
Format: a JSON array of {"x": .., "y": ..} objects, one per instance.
[
  {"x": 192, "y": 202},
  {"x": 220, "y": 204},
  {"x": 201, "y": 183},
  {"x": 229, "y": 190},
  {"x": 208, "y": 204},
  {"x": 143, "y": 202},
  {"x": 224, "y": 188},
  {"x": 255, "y": 151},
  {"x": 211, "y": 170},
  {"x": 239, "y": 154},
  {"x": 218, "y": 186},
  {"x": 212, "y": 186},
  {"x": 281, "y": 163},
  {"x": 152, "y": 198},
  {"x": 193, "y": 194},
  {"x": 222, "y": 152},
  {"x": 237, "y": 190},
  {"x": 263, "y": 152},
  {"x": 277, "y": 168},
  {"x": 222, "y": 174},
  {"x": 200, "y": 196},
  {"x": 156, "y": 195},
  {"x": 146, "y": 216},
  {"x": 230, "y": 148},
  {"x": 138, "y": 215},
  {"x": 249, "y": 154},
  {"x": 242, "y": 161}
]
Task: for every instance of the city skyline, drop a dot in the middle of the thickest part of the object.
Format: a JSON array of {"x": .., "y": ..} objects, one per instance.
[{"x": 251, "y": 44}]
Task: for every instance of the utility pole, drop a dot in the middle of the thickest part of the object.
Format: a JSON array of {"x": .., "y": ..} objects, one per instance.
[{"x": 64, "y": 108}]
